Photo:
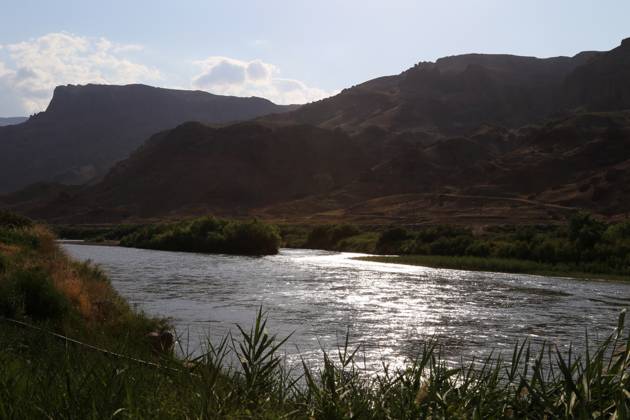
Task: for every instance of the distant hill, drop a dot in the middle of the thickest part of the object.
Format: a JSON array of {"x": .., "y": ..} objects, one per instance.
[
  {"x": 12, "y": 120},
  {"x": 452, "y": 96},
  {"x": 467, "y": 139},
  {"x": 194, "y": 169},
  {"x": 86, "y": 129}
]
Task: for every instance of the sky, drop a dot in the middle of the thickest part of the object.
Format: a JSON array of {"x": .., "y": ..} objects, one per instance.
[{"x": 287, "y": 51}]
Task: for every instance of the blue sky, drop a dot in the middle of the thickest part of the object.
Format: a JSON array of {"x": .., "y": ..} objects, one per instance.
[{"x": 288, "y": 51}]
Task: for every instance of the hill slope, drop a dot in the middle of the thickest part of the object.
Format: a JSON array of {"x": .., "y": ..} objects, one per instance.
[
  {"x": 196, "y": 169},
  {"x": 454, "y": 95},
  {"x": 86, "y": 129},
  {"x": 483, "y": 138}
]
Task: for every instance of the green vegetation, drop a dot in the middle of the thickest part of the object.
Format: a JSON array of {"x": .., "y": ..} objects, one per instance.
[
  {"x": 39, "y": 283},
  {"x": 42, "y": 376},
  {"x": 583, "y": 246},
  {"x": 342, "y": 237},
  {"x": 209, "y": 235},
  {"x": 96, "y": 233}
]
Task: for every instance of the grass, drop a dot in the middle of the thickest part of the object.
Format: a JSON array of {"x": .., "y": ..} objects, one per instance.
[
  {"x": 244, "y": 375},
  {"x": 501, "y": 265},
  {"x": 42, "y": 378}
]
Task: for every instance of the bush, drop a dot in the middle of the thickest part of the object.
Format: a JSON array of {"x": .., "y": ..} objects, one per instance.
[
  {"x": 12, "y": 236},
  {"x": 391, "y": 240},
  {"x": 14, "y": 221},
  {"x": 329, "y": 236},
  {"x": 451, "y": 245},
  {"x": 364, "y": 242},
  {"x": 252, "y": 238},
  {"x": 31, "y": 293},
  {"x": 478, "y": 249},
  {"x": 209, "y": 235}
]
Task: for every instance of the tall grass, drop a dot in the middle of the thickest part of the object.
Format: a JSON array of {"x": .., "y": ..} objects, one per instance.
[
  {"x": 244, "y": 375},
  {"x": 43, "y": 378}
]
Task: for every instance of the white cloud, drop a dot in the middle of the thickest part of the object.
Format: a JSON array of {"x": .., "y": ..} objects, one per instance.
[
  {"x": 31, "y": 69},
  {"x": 228, "y": 76}
]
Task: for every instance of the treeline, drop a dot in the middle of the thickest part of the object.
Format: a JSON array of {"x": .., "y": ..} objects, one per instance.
[
  {"x": 208, "y": 235},
  {"x": 583, "y": 244},
  {"x": 342, "y": 237}
]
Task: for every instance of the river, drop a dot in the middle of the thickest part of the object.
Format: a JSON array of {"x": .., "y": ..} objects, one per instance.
[{"x": 389, "y": 310}]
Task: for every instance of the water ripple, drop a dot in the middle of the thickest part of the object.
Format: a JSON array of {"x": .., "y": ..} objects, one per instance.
[{"x": 391, "y": 310}]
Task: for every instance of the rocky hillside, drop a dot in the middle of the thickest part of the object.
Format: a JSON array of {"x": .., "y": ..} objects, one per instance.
[
  {"x": 86, "y": 129},
  {"x": 470, "y": 139},
  {"x": 195, "y": 169}
]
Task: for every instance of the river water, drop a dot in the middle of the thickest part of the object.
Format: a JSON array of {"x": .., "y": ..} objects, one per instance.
[{"x": 389, "y": 310}]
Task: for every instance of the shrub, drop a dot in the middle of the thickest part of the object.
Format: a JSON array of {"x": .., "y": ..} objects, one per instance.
[
  {"x": 450, "y": 245},
  {"x": 328, "y": 236},
  {"x": 210, "y": 235},
  {"x": 391, "y": 240},
  {"x": 252, "y": 238},
  {"x": 31, "y": 293},
  {"x": 364, "y": 242},
  {"x": 14, "y": 236},
  {"x": 12, "y": 220},
  {"x": 585, "y": 232},
  {"x": 478, "y": 249}
]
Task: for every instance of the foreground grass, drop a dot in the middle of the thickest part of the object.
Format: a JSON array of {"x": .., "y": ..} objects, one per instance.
[
  {"x": 42, "y": 376},
  {"x": 501, "y": 265}
]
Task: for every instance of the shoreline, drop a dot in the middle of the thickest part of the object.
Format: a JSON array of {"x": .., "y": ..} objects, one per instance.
[{"x": 486, "y": 265}]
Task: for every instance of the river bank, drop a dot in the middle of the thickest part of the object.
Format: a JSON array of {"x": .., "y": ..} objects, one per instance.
[
  {"x": 582, "y": 247},
  {"x": 492, "y": 265},
  {"x": 42, "y": 374}
]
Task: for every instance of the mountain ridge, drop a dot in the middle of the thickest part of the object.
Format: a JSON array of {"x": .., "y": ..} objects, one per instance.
[
  {"x": 87, "y": 128},
  {"x": 486, "y": 138}
]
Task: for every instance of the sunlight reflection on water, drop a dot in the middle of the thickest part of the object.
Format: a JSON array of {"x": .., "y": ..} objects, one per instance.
[{"x": 390, "y": 310}]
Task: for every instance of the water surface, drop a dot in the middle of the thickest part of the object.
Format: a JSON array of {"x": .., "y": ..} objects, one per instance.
[{"x": 390, "y": 310}]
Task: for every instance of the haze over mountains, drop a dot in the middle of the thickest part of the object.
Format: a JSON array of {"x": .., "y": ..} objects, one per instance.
[
  {"x": 12, "y": 120},
  {"x": 471, "y": 138},
  {"x": 86, "y": 129}
]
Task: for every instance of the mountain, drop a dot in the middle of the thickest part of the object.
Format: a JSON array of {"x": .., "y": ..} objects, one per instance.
[
  {"x": 86, "y": 129},
  {"x": 452, "y": 96},
  {"x": 603, "y": 84},
  {"x": 195, "y": 168},
  {"x": 12, "y": 120},
  {"x": 467, "y": 139}
]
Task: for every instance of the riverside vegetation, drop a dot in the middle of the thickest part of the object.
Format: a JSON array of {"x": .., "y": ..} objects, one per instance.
[
  {"x": 42, "y": 376},
  {"x": 204, "y": 234},
  {"x": 582, "y": 247}
]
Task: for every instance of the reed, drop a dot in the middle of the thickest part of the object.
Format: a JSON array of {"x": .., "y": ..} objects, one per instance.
[
  {"x": 41, "y": 377},
  {"x": 244, "y": 375}
]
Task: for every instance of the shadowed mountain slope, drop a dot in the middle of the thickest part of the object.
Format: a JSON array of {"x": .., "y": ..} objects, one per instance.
[
  {"x": 196, "y": 168},
  {"x": 86, "y": 129},
  {"x": 472, "y": 138}
]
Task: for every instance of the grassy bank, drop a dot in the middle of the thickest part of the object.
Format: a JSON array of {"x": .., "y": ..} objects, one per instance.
[
  {"x": 499, "y": 265},
  {"x": 582, "y": 247},
  {"x": 203, "y": 234},
  {"x": 43, "y": 376}
]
